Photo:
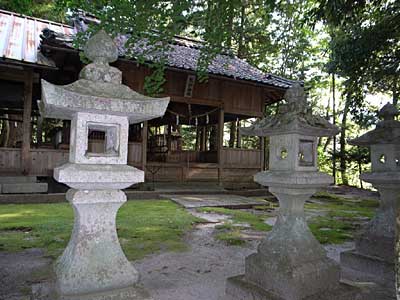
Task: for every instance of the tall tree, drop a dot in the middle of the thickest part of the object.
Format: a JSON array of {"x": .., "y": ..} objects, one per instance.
[{"x": 45, "y": 9}]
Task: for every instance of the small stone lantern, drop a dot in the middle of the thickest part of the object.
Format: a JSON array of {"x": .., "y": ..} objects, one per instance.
[
  {"x": 374, "y": 255},
  {"x": 290, "y": 264},
  {"x": 93, "y": 266}
]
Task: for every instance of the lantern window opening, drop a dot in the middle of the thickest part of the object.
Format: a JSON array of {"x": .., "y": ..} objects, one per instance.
[
  {"x": 283, "y": 153},
  {"x": 306, "y": 153},
  {"x": 109, "y": 134}
]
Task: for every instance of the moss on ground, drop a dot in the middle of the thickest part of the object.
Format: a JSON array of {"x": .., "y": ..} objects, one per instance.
[
  {"x": 339, "y": 218},
  {"x": 230, "y": 230},
  {"x": 256, "y": 221},
  {"x": 232, "y": 238},
  {"x": 342, "y": 217},
  {"x": 144, "y": 227}
]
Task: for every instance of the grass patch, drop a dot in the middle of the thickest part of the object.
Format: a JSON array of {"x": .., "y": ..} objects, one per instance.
[
  {"x": 342, "y": 217},
  {"x": 232, "y": 238},
  {"x": 144, "y": 227},
  {"x": 330, "y": 231}
]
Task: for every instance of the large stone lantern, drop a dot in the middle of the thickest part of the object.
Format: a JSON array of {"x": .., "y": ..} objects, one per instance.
[
  {"x": 93, "y": 266},
  {"x": 290, "y": 264},
  {"x": 374, "y": 255}
]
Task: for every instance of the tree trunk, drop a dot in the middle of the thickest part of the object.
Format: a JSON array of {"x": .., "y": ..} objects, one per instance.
[
  {"x": 342, "y": 153},
  {"x": 241, "y": 44},
  {"x": 334, "y": 123},
  {"x": 359, "y": 166},
  {"x": 395, "y": 96}
]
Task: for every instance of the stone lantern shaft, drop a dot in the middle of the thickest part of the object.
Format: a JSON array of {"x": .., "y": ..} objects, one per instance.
[
  {"x": 290, "y": 264},
  {"x": 93, "y": 266}
]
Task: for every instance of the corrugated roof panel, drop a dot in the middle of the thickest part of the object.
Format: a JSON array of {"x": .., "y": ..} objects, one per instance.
[
  {"x": 14, "y": 47},
  {"x": 20, "y": 36},
  {"x": 30, "y": 45},
  {"x": 5, "y": 25}
]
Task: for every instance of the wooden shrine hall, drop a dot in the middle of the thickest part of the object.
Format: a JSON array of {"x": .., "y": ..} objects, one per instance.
[{"x": 33, "y": 49}]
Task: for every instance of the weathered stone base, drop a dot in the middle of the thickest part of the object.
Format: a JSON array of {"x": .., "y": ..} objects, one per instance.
[
  {"x": 369, "y": 268},
  {"x": 47, "y": 291},
  {"x": 377, "y": 245},
  {"x": 237, "y": 288},
  {"x": 292, "y": 281}
]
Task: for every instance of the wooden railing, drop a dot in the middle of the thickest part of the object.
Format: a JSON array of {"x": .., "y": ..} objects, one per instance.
[
  {"x": 235, "y": 157},
  {"x": 45, "y": 160},
  {"x": 134, "y": 150},
  {"x": 191, "y": 157}
]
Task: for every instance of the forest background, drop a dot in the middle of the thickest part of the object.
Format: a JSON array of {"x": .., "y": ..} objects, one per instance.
[{"x": 347, "y": 52}]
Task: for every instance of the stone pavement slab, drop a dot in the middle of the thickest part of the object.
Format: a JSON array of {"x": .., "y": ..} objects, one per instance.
[{"x": 193, "y": 201}]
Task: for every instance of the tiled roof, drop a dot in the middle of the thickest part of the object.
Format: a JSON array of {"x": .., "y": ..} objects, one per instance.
[
  {"x": 20, "y": 38},
  {"x": 185, "y": 57}
]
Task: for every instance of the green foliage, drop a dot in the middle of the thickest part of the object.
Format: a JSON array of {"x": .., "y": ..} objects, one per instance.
[
  {"x": 45, "y": 9},
  {"x": 144, "y": 227},
  {"x": 364, "y": 45}
]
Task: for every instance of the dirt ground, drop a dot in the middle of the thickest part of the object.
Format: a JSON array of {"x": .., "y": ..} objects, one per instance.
[{"x": 197, "y": 274}]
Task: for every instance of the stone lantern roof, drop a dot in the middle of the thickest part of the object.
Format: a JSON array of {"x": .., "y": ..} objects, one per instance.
[
  {"x": 293, "y": 117},
  {"x": 387, "y": 131},
  {"x": 99, "y": 89}
]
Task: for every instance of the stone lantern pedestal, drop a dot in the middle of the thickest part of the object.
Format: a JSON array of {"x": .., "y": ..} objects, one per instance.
[
  {"x": 290, "y": 264},
  {"x": 93, "y": 266},
  {"x": 374, "y": 256}
]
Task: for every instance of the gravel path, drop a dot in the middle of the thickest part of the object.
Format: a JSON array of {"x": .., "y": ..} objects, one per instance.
[{"x": 201, "y": 272}]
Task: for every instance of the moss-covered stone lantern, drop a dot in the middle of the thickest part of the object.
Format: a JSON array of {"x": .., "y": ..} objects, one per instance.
[
  {"x": 374, "y": 256},
  {"x": 93, "y": 266},
  {"x": 290, "y": 264}
]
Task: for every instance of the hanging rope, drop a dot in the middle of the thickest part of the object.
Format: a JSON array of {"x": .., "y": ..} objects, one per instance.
[{"x": 194, "y": 116}]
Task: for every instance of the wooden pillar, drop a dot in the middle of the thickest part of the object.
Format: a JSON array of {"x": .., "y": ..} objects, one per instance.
[
  {"x": 169, "y": 138},
  {"x": 39, "y": 132},
  {"x": 220, "y": 145},
  {"x": 238, "y": 135},
  {"x": 144, "y": 145},
  {"x": 262, "y": 153},
  {"x": 204, "y": 139},
  {"x": 26, "y": 124}
]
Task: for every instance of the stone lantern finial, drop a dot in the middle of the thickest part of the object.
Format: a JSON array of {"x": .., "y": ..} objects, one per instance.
[
  {"x": 388, "y": 112},
  {"x": 100, "y": 48},
  {"x": 296, "y": 98}
]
